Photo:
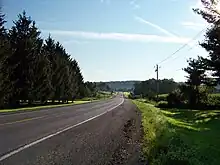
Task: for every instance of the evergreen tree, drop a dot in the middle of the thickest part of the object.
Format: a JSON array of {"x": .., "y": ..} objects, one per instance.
[
  {"x": 34, "y": 70},
  {"x": 210, "y": 11},
  {"x": 5, "y": 52},
  {"x": 42, "y": 88},
  {"x": 196, "y": 77},
  {"x": 212, "y": 37},
  {"x": 196, "y": 72},
  {"x": 79, "y": 80},
  {"x": 211, "y": 44},
  {"x": 26, "y": 46}
]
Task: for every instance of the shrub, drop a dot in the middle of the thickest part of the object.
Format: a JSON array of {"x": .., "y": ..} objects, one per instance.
[
  {"x": 130, "y": 96},
  {"x": 162, "y": 104},
  {"x": 175, "y": 98},
  {"x": 213, "y": 101},
  {"x": 162, "y": 97},
  {"x": 150, "y": 101}
]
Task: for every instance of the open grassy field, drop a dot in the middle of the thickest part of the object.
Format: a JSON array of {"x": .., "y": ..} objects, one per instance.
[{"x": 180, "y": 137}]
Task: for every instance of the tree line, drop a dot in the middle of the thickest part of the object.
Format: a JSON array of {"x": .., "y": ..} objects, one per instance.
[
  {"x": 148, "y": 88},
  {"x": 203, "y": 73},
  {"x": 34, "y": 69}
]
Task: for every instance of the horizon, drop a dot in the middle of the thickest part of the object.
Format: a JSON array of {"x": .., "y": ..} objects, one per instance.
[
  {"x": 135, "y": 80},
  {"x": 119, "y": 40}
]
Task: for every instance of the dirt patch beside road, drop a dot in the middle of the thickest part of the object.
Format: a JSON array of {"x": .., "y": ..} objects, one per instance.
[{"x": 129, "y": 152}]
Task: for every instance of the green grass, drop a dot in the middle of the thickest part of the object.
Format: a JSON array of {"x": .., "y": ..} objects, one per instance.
[
  {"x": 42, "y": 107},
  {"x": 215, "y": 94},
  {"x": 126, "y": 94},
  {"x": 180, "y": 137},
  {"x": 163, "y": 95},
  {"x": 146, "y": 101},
  {"x": 212, "y": 94},
  {"x": 103, "y": 95}
]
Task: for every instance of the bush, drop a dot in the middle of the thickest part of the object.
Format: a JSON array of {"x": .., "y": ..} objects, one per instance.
[
  {"x": 190, "y": 97},
  {"x": 175, "y": 98},
  {"x": 150, "y": 101},
  {"x": 162, "y": 97},
  {"x": 213, "y": 101},
  {"x": 134, "y": 96},
  {"x": 130, "y": 96},
  {"x": 162, "y": 104}
]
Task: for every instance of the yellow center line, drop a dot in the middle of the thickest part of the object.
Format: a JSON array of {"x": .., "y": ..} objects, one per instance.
[{"x": 23, "y": 120}]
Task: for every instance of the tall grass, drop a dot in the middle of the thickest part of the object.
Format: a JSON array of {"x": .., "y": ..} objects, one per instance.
[{"x": 180, "y": 137}]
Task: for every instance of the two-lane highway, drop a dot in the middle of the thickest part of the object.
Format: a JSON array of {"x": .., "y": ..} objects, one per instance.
[{"x": 23, "y": 133}]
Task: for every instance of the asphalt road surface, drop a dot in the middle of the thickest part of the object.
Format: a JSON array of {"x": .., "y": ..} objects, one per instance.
[{"x": 103, "y": 132}]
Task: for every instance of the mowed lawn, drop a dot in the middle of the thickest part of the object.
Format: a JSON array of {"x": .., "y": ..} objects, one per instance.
[{"x": 180, "y": 137}]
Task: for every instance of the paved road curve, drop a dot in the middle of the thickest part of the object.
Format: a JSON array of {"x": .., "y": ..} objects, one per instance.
[{"x": 80, "y": 134}]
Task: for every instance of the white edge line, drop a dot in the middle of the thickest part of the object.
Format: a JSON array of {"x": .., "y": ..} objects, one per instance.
[{"x": 54, "y": 134}]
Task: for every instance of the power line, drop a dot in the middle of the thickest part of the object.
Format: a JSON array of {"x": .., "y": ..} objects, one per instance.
[{"x": 183, "y": 46}]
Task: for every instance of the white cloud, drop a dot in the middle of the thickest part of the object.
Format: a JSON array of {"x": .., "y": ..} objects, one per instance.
[
  {"x": 119, "y": 36},
  {"x": 105, "y": 1},
  {"x": 75, "y": 42},
  {"x": 193, "y": 25},
  {"x": 166, "y": 32},
  {"x": 134, "y": 4},
  {"x": 155, "y": 26}
]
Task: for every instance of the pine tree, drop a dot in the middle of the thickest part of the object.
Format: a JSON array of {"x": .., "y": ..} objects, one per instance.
[
  {"x": 79, "y": 80},
  {"x": 210, "y": 11},
  {"x": 211, "y": 44},
  {"x": 196, "y": 72},
  {"x": 42, "y": 88},
  {"x": 212, "y": 37},
  {"x": 36, "y": 71},
  {"x": 74, "y": 88},
  {"x": 5, "y": 51},
  {"x": 60, "y": 72},
  {"x": 26, "y": 45},
  {"x": 196, "y": 77}
]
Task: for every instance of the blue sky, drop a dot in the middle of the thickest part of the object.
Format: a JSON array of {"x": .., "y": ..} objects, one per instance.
[{"x": 118, "y": 39}]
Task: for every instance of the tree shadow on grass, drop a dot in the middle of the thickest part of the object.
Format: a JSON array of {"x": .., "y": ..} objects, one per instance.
[
  {"x": 197, "y": 118},
  {"x": 197, "y": 135}
]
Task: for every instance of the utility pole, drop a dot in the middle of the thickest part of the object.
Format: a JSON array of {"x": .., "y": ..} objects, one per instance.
[{"x": 157, "y": 71}]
